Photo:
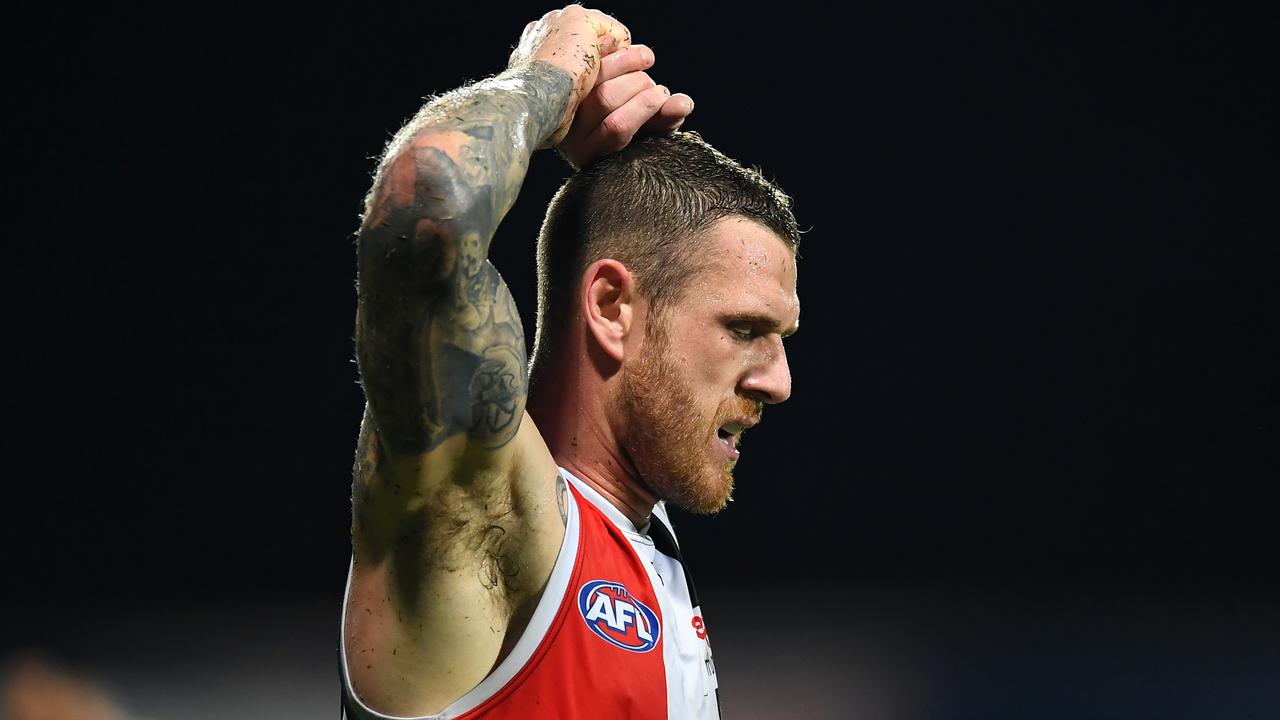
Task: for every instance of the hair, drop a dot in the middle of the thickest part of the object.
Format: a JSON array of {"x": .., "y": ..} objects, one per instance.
[{"x": 646, "y": 207}]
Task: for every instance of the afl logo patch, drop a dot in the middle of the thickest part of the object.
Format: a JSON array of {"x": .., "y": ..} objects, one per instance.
[{"x": 618, "y": 618}]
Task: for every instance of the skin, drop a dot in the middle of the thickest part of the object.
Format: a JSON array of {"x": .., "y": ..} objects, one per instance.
[
  {"x": 458, "y": 507},
  {"x": 722, "y": 358},
  {"x": 719, "y": 359}
]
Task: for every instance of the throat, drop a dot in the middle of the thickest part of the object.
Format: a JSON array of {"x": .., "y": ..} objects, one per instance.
[{"x": 624, "y": 491}]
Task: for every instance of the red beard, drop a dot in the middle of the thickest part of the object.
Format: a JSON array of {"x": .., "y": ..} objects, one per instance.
[{"x": 668, "y": 440}]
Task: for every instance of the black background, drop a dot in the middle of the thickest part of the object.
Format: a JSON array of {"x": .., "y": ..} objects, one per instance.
[{"x": 1039, "y": 329}]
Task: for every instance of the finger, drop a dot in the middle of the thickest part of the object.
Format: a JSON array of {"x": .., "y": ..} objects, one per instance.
[
  {"x": 613, "y": 34},
  {"x": 616, "y": 130},
  {"x": 610, "y": 96},
  {"x": 670, "y": 116},
  {"x": 631, "y": 59}
]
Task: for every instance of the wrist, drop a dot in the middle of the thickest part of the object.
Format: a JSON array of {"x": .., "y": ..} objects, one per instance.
[{"x": 550, "y": 98}]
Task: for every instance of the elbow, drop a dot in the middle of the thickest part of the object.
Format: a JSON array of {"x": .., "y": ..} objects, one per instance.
[
  {"x": 420, "y": 180},
  {"x": 416, "y": 255},
  {"x": 418, "y": 214}
]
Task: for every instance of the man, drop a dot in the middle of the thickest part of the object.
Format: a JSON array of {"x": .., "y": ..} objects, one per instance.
[{"x": 517, "y": 562}]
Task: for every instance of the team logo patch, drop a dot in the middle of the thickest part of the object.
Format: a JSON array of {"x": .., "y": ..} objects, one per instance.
[{"x": 618, "y": 618}]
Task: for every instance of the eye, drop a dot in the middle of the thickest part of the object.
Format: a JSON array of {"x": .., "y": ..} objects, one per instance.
[{"x": 743, "y": 331}]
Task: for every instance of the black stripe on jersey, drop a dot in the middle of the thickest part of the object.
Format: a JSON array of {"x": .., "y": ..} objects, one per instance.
[{"x": 665, "y": 543}]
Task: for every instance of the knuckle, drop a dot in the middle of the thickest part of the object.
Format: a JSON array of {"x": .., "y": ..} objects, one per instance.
[
  {"x": 615, "y": 125},
  {"x": 608, "y": 96}
]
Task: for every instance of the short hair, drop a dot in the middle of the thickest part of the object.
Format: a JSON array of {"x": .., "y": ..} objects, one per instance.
[{"x": 646, "y": 207}]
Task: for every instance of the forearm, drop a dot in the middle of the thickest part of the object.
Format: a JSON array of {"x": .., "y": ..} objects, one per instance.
[
  {"x": 426, "y": 291},
  {"x": 454, "y": 170}
]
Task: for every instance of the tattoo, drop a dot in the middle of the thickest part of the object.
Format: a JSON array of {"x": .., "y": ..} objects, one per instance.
[
  {"x": 365, "y": 468},
  {"x": 562, "y": 499},
  {"x": 438, "y": 338},
  {"x": 368, "y": 453}
]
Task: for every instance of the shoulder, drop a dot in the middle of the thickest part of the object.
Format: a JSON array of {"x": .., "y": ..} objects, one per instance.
[{"x": 446, "y": 596}]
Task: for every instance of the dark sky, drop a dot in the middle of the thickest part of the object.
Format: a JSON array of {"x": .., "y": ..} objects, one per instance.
[{"x": 1040, "y": 301}]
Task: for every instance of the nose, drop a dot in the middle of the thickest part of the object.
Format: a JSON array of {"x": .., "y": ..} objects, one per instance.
[{"x": 769, "y": 379}]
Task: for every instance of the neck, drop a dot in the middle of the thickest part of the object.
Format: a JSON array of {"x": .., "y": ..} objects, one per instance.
[{"x": 568, "y": 401}]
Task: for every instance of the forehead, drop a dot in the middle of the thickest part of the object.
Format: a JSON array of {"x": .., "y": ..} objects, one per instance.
[{"x": 750, "y": 269}]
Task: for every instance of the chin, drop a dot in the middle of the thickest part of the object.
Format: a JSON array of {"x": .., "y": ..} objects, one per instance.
[{"x": 708, "y": 493}]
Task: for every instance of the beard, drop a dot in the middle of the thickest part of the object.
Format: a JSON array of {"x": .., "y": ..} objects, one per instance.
[{"x": 668, "y": 440}]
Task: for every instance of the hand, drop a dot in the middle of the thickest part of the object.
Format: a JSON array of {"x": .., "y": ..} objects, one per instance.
[
  {"x": 575, "y": 40},
  {"x": 624, "y": 102}
]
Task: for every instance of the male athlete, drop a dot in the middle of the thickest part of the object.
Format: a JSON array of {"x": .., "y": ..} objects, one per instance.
[{"x": 512, "y": 556}]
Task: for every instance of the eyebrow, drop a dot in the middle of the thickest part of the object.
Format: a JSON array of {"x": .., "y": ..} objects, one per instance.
[{"x": 765, "y": 322}]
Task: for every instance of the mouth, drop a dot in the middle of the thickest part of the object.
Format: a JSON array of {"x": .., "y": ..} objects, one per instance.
[{"x": 730, "y": 434}]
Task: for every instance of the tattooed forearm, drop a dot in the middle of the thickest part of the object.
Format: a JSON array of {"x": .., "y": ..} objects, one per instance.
[{"x": 438, "y": 339}]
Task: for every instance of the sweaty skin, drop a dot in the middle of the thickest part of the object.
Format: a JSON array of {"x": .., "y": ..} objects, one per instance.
[
  {"x": 456, "y": 521},
  {"x": 458, "y": 507}
]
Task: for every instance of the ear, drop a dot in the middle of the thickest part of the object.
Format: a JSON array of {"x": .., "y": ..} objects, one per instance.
[{"x": 608, "y": 299}]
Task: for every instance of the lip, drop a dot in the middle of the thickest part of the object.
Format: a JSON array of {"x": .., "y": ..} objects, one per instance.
[
  {"x": 727, "y": 445},
  {"x": 734, "y": 427}
]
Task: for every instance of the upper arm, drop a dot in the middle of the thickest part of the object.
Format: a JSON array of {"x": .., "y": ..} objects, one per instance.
[
  {"x": 454, "y": 526},
  {"x": 442, "y": 359},
  {"x": 439, "y": 341}
]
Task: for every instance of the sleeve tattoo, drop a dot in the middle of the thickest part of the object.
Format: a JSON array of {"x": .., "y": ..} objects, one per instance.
[{"x": 439, "y": 342}]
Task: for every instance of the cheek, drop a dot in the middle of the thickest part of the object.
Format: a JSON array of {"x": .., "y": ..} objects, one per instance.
[
  {"x": 709, "y": 362},
  {"x": 717, "y": 380},
  {"x": 708, "y": 358}
]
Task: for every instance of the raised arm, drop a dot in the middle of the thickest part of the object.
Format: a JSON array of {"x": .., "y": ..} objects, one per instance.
[
  {"x": 455, "y": 526},
  {"x": 439, "y": 344}
]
